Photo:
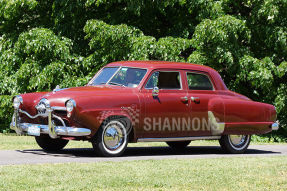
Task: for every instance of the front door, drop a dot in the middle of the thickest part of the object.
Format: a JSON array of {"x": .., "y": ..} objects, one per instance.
[{"x": 168, "y": 113}]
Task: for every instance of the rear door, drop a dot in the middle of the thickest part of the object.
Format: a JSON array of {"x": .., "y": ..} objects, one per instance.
[{"x": 200, "y": 92}]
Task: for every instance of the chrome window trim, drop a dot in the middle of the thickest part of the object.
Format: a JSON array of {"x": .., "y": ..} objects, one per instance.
[
  {"x": 180, "y": 79},
  {"x": 201, "y": 73}
]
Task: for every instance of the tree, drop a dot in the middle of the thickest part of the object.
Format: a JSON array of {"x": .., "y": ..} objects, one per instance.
[{"x": 45, "y": 43}]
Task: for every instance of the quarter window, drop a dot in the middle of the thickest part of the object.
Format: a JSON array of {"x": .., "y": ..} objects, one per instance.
[{"x": 198, "y": 82}]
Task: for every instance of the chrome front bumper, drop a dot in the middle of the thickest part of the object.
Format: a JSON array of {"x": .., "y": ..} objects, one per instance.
[
  {"x": 275, "y": 126},
  {"x": 50, "y": 129}
]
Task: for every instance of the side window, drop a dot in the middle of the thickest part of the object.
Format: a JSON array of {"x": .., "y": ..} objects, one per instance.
[
  {"x": 198, "y": 82},
  {"x": 164, "y": 80}
]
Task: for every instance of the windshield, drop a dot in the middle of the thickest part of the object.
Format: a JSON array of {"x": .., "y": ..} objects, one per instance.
[
  {"x": 123, "y": 76},
  {"x": 104, "y": 76}
]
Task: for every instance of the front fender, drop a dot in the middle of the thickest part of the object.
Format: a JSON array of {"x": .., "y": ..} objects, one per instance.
[{"x": 91, "y": 112}]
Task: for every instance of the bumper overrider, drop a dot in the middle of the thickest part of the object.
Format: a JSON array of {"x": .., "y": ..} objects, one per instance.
[{"x": 51, "y": 129}]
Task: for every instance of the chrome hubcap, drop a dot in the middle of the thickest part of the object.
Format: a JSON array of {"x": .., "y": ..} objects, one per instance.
[
  {"x": 114, "y": 135},
  {"x": 237, "y": 140}
]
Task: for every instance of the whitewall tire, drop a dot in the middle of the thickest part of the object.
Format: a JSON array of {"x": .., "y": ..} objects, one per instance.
[
  {"x": 111, "y": 139},
  {"x": 235, "y": 144}
]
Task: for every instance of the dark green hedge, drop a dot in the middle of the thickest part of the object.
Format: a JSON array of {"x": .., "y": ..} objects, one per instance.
[{"x": 6, "y": 112}]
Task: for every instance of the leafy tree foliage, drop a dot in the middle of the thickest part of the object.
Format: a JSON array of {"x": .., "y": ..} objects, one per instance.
[{"x": 45, "y": 43}]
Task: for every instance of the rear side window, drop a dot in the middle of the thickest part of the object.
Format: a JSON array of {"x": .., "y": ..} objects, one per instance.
[
  {"x": 164, "y": 80},
  {"x": 198, "y": 82}
]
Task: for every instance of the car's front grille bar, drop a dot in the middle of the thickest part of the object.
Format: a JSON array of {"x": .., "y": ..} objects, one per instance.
[{"x": 51, "y": 129}]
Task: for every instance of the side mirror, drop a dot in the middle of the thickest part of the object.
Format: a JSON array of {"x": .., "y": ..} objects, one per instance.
[{"x": 155, "y": 91}]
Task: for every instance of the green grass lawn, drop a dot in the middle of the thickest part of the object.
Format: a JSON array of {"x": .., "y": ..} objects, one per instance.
[
  {"x": 14, "y": 142},
  {"x": 264, "y": 173},
  {"x": 239, "y": 173}
]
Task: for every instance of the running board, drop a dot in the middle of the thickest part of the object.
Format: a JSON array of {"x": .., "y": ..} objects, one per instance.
[{"x": 178, "y": 139}]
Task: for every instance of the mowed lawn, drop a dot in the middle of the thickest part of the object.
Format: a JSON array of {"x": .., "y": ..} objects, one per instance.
[
  {"x": 239, "y": 173},
  {"x": 257, "y": 173}
]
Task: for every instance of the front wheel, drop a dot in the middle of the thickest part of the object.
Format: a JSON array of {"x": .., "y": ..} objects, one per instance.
[
  {"x": 49, "y": 144},
  {"x": 111, "y": 139},
  {"x": 235, "y": 144}
]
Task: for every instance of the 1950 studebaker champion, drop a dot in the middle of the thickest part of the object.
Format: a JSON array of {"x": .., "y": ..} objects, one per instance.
[{"x": 137, "y": 101}]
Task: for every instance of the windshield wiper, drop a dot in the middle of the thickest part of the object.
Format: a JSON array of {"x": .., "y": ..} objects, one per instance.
[{"x": 117, "y": 84}]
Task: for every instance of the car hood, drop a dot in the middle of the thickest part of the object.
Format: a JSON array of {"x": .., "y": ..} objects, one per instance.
[{"x": 60, "y": 96}]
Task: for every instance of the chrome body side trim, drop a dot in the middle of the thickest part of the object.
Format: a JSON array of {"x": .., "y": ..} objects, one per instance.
[
  {"x": 178, "y": 139},
  {"x": 275, "y": 126},
  {"x": 216, "y": 128}
]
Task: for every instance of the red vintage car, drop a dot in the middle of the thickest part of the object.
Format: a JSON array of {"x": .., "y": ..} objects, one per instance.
[{"x": 143, "y": 101}]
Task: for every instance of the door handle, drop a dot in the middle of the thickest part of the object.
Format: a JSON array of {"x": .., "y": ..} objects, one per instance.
[
  {"x": 195, "y": 99},
  {"x": 184, "y": 99}
]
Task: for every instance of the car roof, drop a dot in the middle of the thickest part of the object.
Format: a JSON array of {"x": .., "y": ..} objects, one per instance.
[
  {"x": 162, "y": 64},
  {"x": 219, "y": 84}
]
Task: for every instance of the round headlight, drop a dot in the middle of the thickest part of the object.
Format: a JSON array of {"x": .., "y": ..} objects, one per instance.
[
  {"x": 18, "y": 100},
  {"x": 70, "y": 105}
]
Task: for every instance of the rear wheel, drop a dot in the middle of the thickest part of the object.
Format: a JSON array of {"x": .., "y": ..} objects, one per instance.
[
  {"x": 111, "y": 139},
  {"x": 178, "y": 144},
  {"x": 235, "y": 144},
  {"x": 49, "y": 144}
]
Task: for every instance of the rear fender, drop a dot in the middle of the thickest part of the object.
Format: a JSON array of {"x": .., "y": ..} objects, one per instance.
[{"x": 248, "y": 117}]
